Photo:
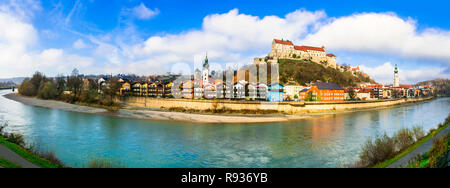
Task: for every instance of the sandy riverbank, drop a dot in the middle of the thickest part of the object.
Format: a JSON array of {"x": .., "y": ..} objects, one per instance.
[{"x": 155, "y": 115}]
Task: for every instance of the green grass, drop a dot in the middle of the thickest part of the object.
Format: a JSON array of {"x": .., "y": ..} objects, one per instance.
[
  {"x": 29, "y": 156},
  {"x": 409, "y": 149},
  {"x": 6, "y": 164}
]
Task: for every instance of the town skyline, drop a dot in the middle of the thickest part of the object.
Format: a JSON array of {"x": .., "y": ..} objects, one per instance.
[{"x": 132, "y": 41}]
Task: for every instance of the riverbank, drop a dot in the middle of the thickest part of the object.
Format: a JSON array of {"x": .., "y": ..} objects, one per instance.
[
  {"x": 401, "y": 160},
  {"x": 240, "y": 107},
  {"x": 16, "y": 156},
  {"x": 137, "y": 113}
]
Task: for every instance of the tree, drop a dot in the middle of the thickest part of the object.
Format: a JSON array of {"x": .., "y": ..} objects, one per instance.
[
  {"x": 351, "y": 94},
  {"x": 395, "y": 93},
  {"x": 74, "y": 83},
  {"x": 48, "y": 90},
  {"x": 27, "y": 88},
  {"x": 113, "y": 86},
  {"x": 60, "y": 84},
  {"x": 36, "y": 80}
]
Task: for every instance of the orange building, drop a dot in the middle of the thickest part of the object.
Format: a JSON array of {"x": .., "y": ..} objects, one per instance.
[{"x": 323, "y": 92}]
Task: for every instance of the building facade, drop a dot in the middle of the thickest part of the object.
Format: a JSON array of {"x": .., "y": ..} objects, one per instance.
[
  {"x": 285, "y": 49},
  {"x": 323, "y": 92}
]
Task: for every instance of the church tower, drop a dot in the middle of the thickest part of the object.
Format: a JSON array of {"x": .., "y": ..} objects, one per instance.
[
  {"x": 206, "y": 70},
  {"x": 396, "y": 79}
]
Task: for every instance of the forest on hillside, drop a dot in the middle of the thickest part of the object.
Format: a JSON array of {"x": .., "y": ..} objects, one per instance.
[
  {"x": 305, "y": 71},
  {"x": 441, "y": 86}
]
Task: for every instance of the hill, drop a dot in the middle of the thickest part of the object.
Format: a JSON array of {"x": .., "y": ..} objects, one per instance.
[
  {"x": 305, "y": 71},
  {"x": 441, "y": 86}
]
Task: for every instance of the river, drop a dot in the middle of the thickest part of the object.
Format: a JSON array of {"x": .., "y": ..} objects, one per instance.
[{"x": 325, "y": 141}]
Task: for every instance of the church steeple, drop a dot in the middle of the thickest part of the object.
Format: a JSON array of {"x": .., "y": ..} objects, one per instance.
[
  {"x": 206, "y": 63},
  {"x": 396, "y": 78},
  {"x": 206, "y": 70}
]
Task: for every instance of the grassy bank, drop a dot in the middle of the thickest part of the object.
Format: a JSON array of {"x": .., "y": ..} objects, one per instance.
[
  {"x": 383, "y": 150},
  {"x": 28, "y": 155},
  {"x": 410, "y": 148},
  {"x": 436, "y": 157}
]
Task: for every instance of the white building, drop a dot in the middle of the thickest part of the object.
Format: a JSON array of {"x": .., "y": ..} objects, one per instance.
[
  {"x": 290, "y": 91},
  {"x": 396, "y": 78}
]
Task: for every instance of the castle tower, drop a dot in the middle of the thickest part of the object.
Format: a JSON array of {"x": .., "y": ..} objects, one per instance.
[
  {"x": 396, "y": 79},
  {"x": 205, "y": 70}
]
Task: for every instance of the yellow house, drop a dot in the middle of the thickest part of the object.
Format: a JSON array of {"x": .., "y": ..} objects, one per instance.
[
  {"x": 144, "y": 89},
  {"x": 126, "y": 87},
  {"x": 168, "y": 90}
]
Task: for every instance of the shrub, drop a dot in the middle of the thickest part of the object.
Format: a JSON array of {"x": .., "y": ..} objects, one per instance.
[
  {"x": 50, "y": 156},
  {"x": 89, "y": 96},
  {"x": 447, "y": 120},
  {"x": 27, "y": 88},
  {"x": 16, "y": 139},
  {"x": 418, "y": 132},
  {"x": 378, "y": 150},
  {"x": 48, "y": 90},
  {"x": 404, "y": 138},
  {"x": 105, "y": 163},
  {"x": 439, "y": 153}
]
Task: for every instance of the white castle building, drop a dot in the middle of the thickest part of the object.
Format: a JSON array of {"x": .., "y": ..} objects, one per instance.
[{"x": 285, "y": 49}]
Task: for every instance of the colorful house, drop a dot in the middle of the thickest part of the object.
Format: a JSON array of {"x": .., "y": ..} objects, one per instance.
[
  {"x": 168, "y": 90},
  {"x": 125, "y": 89},
  {"x": 187, "y": 90},
  {"x": 323, "y": 92}
]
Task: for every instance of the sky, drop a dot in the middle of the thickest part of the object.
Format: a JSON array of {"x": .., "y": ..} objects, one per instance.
[{"x": 147, "y": 37}]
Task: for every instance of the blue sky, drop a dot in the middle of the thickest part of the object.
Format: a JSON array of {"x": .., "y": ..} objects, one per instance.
[{"x": 157, "y": 36}]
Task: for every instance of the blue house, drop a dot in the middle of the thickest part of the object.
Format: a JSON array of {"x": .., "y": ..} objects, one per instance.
[{"x": 276, "y": 93}]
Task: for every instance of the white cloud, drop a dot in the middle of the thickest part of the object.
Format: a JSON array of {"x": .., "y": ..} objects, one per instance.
[
  {"x": 229, "y": 33},
  {"x": 384, "y": 33},
  {"x": 385, "y": 73},
  {"x": 144, "y": 13},
  {"x": 19, "y": 56},
  {"x": 79, "y": 44}
]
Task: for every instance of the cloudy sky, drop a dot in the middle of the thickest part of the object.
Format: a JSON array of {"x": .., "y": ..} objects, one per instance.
[{"x": 156, "y": 36}]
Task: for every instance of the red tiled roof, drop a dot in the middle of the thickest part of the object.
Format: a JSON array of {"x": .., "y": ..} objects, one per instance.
[
  {"x": 406, "y": 86},
  {"x": 285, "y": 42},
  {"x": 375, "y": 86},
  {"x": 331, "y": 55},
  {"x": 305, "y": 48}
]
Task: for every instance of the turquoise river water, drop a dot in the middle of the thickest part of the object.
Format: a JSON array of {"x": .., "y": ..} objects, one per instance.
[{"x": 325, "y": 141}]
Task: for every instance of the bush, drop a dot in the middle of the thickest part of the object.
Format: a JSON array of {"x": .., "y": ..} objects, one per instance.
[
  {"x": 89, "y": 96},
  {"x": 13, "y": 137},
  {"x": 48, "y": 90},
  {"x": 48, "y": 155},
  {"x": 16, "y": 139},
  {"x": 404, "y": 138},
  {"x": 447, "y": 120},
  {"x": 378, "y": 150},
  {"x": 418, "y": 132},
  {"x": 27, "y": 88},
  {"x": 105, "y": 163}
]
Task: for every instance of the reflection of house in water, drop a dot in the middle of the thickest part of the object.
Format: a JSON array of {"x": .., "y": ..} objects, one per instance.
[{"x": 325, "y": 128}]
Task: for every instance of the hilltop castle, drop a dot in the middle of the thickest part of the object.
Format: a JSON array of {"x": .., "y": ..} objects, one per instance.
[{"x": 285, "y": 49}]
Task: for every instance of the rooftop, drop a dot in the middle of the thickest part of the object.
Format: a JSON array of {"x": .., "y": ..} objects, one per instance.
[{"x": 327, "y": 86}]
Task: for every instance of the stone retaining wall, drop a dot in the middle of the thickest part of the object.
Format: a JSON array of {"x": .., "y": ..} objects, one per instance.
[{"x": 283, "y": 107}]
